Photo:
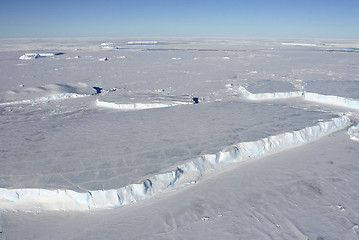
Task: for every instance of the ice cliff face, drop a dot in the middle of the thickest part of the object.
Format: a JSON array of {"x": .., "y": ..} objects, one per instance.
[
  {"x": 187, "y": 173},
  {"x": 134, "y": 106},
  {"x": 308, "y": 96}
]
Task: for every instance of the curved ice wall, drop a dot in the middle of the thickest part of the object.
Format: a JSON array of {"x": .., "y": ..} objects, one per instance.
[{"x": 308, "y": 96}]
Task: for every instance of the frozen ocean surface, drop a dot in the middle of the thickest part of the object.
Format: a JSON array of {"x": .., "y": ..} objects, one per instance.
[{"x": 71, "y": 121}]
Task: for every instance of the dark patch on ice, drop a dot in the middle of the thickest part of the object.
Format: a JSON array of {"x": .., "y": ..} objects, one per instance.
[
  {"x": 147, "y": 184},
  {"x": 314, "y": 188},
  {"x": 98, "y": 89}
]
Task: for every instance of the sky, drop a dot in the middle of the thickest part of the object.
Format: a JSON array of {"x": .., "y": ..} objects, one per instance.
[{"x": 180, "y": 18}]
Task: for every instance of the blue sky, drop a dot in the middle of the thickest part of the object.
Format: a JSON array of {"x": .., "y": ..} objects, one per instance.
[{"x": 180, "y": 18}]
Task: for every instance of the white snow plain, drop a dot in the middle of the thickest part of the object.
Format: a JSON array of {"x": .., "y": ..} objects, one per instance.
[{"x": 267, "y": 153}]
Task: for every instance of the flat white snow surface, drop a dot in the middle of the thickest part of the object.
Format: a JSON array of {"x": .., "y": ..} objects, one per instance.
[{"x": 269, "y": 152}]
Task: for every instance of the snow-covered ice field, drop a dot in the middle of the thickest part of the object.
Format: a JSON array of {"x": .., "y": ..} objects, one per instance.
[{"x": 179, "y": 139}]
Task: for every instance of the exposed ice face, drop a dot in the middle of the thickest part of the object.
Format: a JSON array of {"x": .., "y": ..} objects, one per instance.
[
  {"x": 135, "y": 106},
  {"x": 308, "y": 96}
]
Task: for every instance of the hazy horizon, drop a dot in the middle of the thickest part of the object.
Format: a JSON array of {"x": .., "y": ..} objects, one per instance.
[{"x": 214, "y": 19}]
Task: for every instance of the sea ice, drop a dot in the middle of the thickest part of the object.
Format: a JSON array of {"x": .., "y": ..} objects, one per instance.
[{"x": 236, "y": 166}]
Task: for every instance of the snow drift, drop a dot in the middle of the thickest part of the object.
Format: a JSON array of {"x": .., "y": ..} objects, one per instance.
[
  {"x": 184, "y": 174},
  {"x": 308, "y": 96}
]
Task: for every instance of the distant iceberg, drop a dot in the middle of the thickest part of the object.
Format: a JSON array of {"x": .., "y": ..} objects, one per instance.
[
  {"x": 142, "y": 43},
  {"x": 30, "y": 56}
]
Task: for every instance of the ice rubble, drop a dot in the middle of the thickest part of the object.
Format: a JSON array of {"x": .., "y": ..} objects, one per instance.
[
  {"x": 184, "y": 174},
  {"x": 308, "y": 96}
]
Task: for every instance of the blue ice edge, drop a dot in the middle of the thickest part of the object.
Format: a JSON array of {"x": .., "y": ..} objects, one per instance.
[{"x": 184, "y": 174}]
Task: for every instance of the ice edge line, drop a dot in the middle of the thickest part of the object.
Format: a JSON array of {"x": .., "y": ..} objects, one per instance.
[{"x": 184, "y": 174}]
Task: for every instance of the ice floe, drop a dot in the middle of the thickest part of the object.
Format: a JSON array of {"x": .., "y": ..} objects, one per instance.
[{"x": 187, "y": 173}]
